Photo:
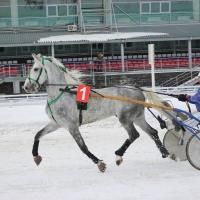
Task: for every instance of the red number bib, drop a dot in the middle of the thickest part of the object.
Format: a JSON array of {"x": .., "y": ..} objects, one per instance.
[{"x": 83, "y": 93}]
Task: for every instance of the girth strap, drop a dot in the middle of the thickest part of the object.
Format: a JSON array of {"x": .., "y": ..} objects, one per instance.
[{"x": 80, "y": 106}]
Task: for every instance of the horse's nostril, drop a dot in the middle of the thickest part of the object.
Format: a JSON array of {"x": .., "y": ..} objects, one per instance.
[{"x": 26, "y": 88}]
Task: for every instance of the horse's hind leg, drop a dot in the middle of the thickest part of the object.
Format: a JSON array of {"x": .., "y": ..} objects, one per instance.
[
  {"x": 47, "y": 129},
  {"x": 133, "y": 135},
  {"x": 79, "y": 140},
  {"x": 141, "y": 122}
]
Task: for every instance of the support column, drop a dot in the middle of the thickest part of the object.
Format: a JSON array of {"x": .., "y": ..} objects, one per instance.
[
  {"x": 190, "y": 53},
  {"x": 108, "y": 13},
  {"x": 16, "y": 87},
  {"x": 52, "y": 50},
  {"x": 14, "y": 12},
  {"x": 81, "y": 23},
  {"x": 196, "y": 10},
  {"x": 122, "y": 57},
  {"x": 151, "y": 56},
  {"x": 92, "y": 65}
]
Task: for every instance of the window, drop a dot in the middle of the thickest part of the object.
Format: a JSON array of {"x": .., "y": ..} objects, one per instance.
[
  {"x": 2, "y": 49},
  {"x": 155, "y": 7},
  {"x": 95, "y": 4},
  {"x": 60, "y": 1},
  {"x": 181, "y": 6},
  {"x": 72, "y": 10},
  {"x": 145, "y": 7},
  {"x": 59, "y": 48},
  {"x": 52, "y": 10},
  {"x": 129, "y": 44},
  {"x": 36, "y": 11},
  {"x": 5, "y": 12},
  {"x": 62, "y": 10},
  {"x": 25, "y": 50},
  {"x": 129, "y": 8},
  {"x": 97, "y": 46},
  {"x": 165, "y": 7}
]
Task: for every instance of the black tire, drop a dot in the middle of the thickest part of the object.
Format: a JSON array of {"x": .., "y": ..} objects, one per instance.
[
  {"x": 175, "y": 146},
  {"x": 193, "y": 151}
]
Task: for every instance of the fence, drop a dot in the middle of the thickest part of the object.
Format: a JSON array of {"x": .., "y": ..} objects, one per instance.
[
  {"x": 23, "y": 99},
  {"x": 178, "y": 90},
  {"x": 41, "y": 97},
  {"x": 22, "y": 70}
]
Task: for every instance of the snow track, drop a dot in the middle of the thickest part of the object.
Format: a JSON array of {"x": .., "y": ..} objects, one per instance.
[{"x": 66, "y": 173}]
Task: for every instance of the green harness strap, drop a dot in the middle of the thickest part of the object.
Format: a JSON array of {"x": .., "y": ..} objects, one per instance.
[
  {"x": 56, "y": 98},
  {"x": 52, "y": 101}
]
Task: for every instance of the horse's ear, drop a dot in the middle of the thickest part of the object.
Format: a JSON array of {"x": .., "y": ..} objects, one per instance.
[{"x": 35, "y": 57}]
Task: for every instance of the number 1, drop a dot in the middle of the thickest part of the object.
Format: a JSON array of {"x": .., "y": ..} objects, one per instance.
[{"x": 83, "y": 90}]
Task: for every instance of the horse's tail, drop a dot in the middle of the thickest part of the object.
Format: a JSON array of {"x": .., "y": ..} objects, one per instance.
[{"x": 155, "y": 99}]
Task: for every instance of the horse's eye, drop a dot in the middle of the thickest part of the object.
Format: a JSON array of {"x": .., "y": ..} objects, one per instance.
[{"x": 36, "y": 69}]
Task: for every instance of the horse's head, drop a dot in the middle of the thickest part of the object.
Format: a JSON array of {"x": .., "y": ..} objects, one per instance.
[{"x": 36, "y": 77}]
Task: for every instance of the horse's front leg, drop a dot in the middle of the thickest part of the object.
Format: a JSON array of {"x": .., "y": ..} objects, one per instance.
[
  {"x": 47, "y": 129},
  {"x": 79, "y": 140}
]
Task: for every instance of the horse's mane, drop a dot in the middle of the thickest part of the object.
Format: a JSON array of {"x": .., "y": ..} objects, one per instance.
[{"x": 72, "y": 77}]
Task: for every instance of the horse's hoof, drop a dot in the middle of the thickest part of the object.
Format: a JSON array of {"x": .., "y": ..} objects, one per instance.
[
  {"x": 102, "y": 166},
  {"x": 37, "y": 159},
  {"x": 173, "y": 157},
  {"x": 119, "y": 160},
  {"x": 164, "y": 152},
  {"x": 165, "y": 155}
]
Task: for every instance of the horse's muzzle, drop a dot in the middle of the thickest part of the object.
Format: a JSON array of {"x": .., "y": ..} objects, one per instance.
[{"x": 30, "y": 88}]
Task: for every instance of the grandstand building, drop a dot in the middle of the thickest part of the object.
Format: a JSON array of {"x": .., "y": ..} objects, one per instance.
[{"x": 24, "y": 22}]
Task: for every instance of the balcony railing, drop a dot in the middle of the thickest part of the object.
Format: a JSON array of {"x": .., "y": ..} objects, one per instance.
[
  {"x": 106, "y": 66},
  {"x": 38, "y": 21},
  {"x": 96, "y": 18}
]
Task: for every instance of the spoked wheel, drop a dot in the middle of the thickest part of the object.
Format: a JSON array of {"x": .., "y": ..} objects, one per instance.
[
  {"x": 193, "y": 151},
  {"x": 175, "y": 142}
]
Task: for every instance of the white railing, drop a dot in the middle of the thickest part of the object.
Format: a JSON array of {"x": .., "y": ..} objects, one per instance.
[
  {"x": 23, "y": 98},
  {"x": 40, "y": 97},
  {"x": 178, "y": 90}
]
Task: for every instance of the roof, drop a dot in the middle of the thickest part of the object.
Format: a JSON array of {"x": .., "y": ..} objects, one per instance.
[
  {"x": 93, "y": 38},
  {"x": 24, "y": 37},
  {"x": 30, "y": 37}
]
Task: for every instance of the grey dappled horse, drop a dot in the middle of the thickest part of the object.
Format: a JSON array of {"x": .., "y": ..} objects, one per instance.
[{"x": 62, "y": 108}]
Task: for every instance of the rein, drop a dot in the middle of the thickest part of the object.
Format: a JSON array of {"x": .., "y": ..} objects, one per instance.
[
  {"x": 97, "y": 95},
  {"x": 167, "y": 94},
  {"x": 132, "y": 101},
  {"x": 117, "y": 98}
]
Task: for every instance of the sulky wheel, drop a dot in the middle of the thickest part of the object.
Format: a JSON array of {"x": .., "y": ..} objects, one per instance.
[
  {"x": 193, "y": 151},
  {"x": 175, "y": 142}
]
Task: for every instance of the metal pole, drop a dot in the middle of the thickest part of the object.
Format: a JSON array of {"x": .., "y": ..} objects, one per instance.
[
  {"x": 92, "y": 63},
  {"x": 153, "y": 76},
  {"x": 80, "y": 16},
  {"x": 52, "y": 50},
  {"x": 190, "y": 53},
  {"x": 115, "y": 21},
  {"x": 14, "y": 13},
  {"x": 104, "y": 63},
  {"x": 122, "y": 57},
  {"x": 152, "y": 63}
]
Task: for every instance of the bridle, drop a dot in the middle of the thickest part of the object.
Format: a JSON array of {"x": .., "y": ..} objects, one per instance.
[{"x": 39, "y": 75}]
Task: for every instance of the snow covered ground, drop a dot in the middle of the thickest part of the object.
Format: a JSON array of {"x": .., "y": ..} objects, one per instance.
[{"x": 66, "y": 173}]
